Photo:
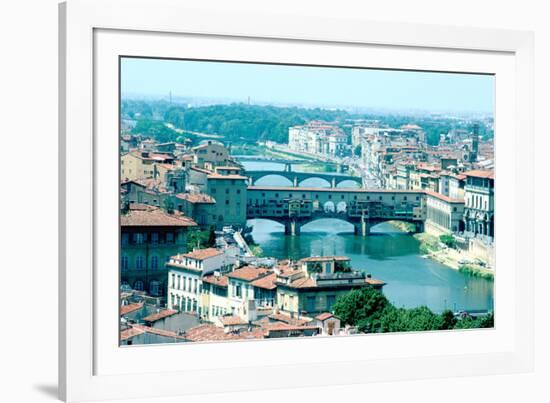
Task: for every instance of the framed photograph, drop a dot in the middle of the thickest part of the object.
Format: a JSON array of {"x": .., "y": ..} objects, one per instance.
[{"x": 237, "y": 202}]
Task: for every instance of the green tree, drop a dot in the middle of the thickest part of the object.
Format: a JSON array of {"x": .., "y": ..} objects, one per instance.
[
  {"x": 448, "y": 240},
  {"x": 363, "y": 308}
]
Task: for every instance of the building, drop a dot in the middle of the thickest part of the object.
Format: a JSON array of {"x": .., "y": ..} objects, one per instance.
[
  {"x": 185, "y": 278},
  {"x": 479, "y": 209},
  {"x": 229, "y": 191},
  {"x": 443, "y": 214},
  {"x": 148, "y": 237},
  {"x": 318, "y": 137},
  {"x": 319, "y": 281},
  {"x": 142, "y": 164},
  {"x": 244, "y": 296},
  {"x": 210, "y": 155}
]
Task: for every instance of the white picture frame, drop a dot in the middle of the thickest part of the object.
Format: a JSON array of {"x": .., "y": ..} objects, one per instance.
[{"x": 93, "y": 367}]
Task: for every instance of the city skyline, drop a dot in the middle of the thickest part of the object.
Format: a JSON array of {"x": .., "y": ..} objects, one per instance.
[{"x": 389, "y": 90}]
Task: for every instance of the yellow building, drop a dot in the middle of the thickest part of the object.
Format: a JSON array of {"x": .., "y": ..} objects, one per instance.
[{"x": 142, "y": 164}]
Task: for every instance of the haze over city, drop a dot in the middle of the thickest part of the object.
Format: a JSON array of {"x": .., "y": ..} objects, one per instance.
[{"x": 380, "y": 90}]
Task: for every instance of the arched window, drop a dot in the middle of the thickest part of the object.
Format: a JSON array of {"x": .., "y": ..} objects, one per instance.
[
  {"x": 124, "y": 262},
  {"x": 139, "y": 262},
  {"x": 154, "y": 262}
]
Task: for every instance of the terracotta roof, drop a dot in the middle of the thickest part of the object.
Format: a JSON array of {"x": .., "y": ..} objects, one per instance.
[
  {"x": 442, "y": 197},
  {"x": 267, "y": 282},
  {"x": 130, "y": 332},
  {"x": 153, "y": 216},
  {"x": 304, "y": 282},
  {"x": 126, "y": 309},
  {"x": 478, "y": 173},
  {"x": 159, "y": 332},
  {"x": 248, "y": 273},
  {"x": 232, "y": 320},
  {"x": 200, "y": 254},
  {"x": 196, "y": 198},
  {"x": 373, "y": 281},
  {"x": 324, "y": 316},
  {"x": 220, "y": 281},
  {"x": 160, "y": 315},
  {"x": 287, "y": 319},
  {"x": 209, "y": 332}
]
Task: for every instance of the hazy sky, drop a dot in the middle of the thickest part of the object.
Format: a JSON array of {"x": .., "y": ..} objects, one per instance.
[{"x": 381, "y": 89}]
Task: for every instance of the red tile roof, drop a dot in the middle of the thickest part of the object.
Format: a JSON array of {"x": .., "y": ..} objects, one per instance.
[
  {"x": 200, "y": 254},
  {"x": 155, "y": 217},
  {"x": 232, "y": 320},
  {"x": 248, "y": 273},
  {"x": 478, "y": 173},
  {"x": 126, "y": 309},
  {"x": 220, "y": 281},
  {"x": 442, "y": 197},
  {"x": 324, "y": 316},
  {"x": 160, "y": 315},
  {"x": 209, "y": 332},
  {"x": 267, "y": 282},
  {"x": 130, "y": 332}
]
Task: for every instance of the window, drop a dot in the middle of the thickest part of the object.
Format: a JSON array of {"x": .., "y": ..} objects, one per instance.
[
  {"x": 139, "y": 262},
  {"x": 154, "y": 262},
  {"x": 227, "y": 202},
  {"x": 238, "y": 191},
  {"x": 138, "y": 285},
  {"x": 213, "y": 190},
  {"x": 226, "y": 191},
  {"x": 138, "y": 238},
  {"x": 124, "y": 262},
  {"x": 331, "y": 299},
  {"x": 310, "y": 304},
  {"x": 124, "y": 239},
  {"x": 169, "y": 237},
  {"x": 154, "y": 237}
]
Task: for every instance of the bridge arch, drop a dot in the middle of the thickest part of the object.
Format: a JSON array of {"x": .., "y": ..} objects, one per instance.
[
  {"x": 349, "y": 183},
  {"x": 305, "y": 182},
  {"x": 329, "y": 207},
  {"x": 267, "y": 176},
  {"x": 341, "y": 207}
]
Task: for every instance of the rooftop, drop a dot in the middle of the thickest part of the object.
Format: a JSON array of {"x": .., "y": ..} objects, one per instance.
[
  {"x": 160, "y": 315},
  {"x": 248, "y": 273},
  {"x": 325, "y": 259},
  {"x": 220, "y": 281},
  {"x": 140, "y": 215},
  {"x": 210, "y": 332},
  {"x": 267, "y": 282},
  {"x": 478, "y": 173},
  {"x": 196, "y": 198},
  {"x": 200, "y": 254},
  {"x": 126, "y": 309}
]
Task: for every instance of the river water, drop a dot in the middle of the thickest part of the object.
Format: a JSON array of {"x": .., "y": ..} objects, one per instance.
[{"x": 387, "y": 254}]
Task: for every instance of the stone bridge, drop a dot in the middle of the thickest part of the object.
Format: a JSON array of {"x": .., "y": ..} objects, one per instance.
[
  {"x": 294, "y": 207},
  {"x": 333, "y": 179}
]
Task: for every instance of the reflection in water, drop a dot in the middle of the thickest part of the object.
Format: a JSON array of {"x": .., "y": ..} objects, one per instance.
[{"x": 388, "y": 255}]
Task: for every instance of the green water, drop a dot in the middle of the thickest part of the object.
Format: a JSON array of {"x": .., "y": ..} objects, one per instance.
[{"x": 388, "y": 255}]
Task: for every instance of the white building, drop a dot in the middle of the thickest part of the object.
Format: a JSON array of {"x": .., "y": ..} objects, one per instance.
[{"x": 185, "y": 277}]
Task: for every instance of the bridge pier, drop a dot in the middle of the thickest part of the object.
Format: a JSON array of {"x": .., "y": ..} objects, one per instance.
[
  {"x": 292, "y": 228},
  {"x": 295, "y": 181},
  {"x": 362, "y": 228},
  {"x": 333, "y": 183}
]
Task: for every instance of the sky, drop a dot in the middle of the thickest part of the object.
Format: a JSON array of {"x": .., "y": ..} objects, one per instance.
[{"x": 306, "y": 85}]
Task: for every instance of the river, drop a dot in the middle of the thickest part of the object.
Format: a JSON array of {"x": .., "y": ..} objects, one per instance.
[{"x": 387, "y": 254}]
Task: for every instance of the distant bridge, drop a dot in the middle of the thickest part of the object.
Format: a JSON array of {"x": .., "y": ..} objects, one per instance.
[
  {"x": 333, "y": 179},
  {"x": 260, "y": 158},
  {"x": 294, "y": 207}
]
